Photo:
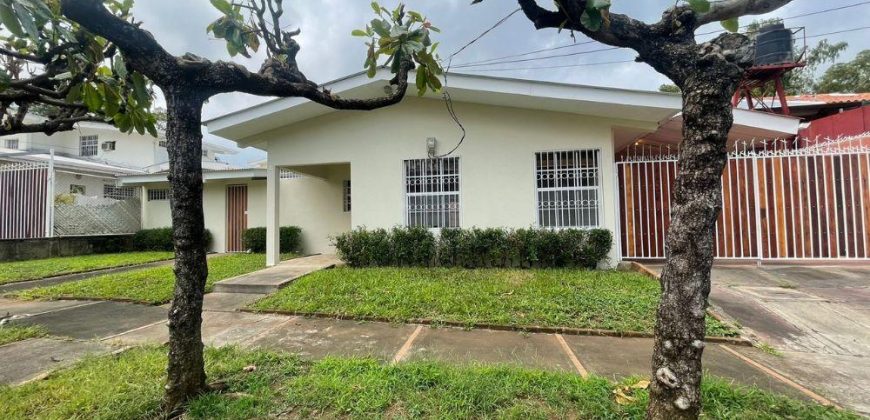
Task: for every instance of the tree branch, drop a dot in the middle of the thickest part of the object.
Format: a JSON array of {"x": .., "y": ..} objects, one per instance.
[
  {"x": 728, "y": 9},
  {"x": 139, "y": 46}
]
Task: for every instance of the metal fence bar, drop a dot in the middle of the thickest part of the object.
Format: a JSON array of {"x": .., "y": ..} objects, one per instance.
[{"x": 774, "y": 210}]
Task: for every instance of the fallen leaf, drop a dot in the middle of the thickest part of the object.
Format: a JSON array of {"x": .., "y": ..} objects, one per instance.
[
  {"x": 249, "y": 368},
  {"x": 644, "y": 384}
]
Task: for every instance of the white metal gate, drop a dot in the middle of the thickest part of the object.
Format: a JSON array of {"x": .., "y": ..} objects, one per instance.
[
  {"x": 781, "y": 200},
  {"x": 24, "y": 200}
]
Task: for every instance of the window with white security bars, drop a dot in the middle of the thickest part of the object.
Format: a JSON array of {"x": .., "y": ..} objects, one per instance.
[
  {"x": 11, "y": 144},
  {"x": 568, "y": 189},
  {"x": 118, "y": 193},
  {"x": 346, "y": 196},
  {"x": 88, "y": 145},
  {"x": 159, "y": 194},
  {"x": 432, "y": 192}
]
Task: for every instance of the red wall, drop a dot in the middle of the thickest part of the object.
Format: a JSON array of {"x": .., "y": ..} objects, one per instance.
[{"x": 849, "y": 123}]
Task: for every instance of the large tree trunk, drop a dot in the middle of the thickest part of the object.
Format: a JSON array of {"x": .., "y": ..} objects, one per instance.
[
  {"x": 186, "y": 370},
  {"x": 685, "y": 280}
]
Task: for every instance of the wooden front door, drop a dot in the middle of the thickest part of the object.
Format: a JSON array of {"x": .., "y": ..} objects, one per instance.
[{"x": 237, "y": 216}]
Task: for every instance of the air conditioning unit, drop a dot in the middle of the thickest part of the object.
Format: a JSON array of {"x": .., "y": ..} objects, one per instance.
[{"x": 108, "y": 146}]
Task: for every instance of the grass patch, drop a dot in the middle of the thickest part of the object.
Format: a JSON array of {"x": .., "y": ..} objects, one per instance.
[
  {"x": 611, "y": 300},
  {"x": 148, "y": 285},
  {"x": 130, "y": 386},
  {"x": 11, "y": 272},
  {"x": 13, "y": 333}
]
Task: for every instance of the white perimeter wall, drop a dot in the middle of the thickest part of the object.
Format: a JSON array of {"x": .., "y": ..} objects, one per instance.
[{"x": 497, "y": 158}]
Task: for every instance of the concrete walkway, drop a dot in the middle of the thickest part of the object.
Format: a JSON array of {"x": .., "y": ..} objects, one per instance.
[
  {"x": 101, "y": 327},
  {"x": 817, "y": 317},
  {"x": 274, "y": 278}
]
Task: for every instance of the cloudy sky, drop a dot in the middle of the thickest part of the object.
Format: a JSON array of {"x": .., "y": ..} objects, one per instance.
[{"x": 329, "y": 51}]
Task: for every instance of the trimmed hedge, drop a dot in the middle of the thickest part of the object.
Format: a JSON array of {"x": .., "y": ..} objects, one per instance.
[
  {"x": 254, "y": 239},
  {"x": 159, "y": 239},
  {"x": 474, "y": 248}
]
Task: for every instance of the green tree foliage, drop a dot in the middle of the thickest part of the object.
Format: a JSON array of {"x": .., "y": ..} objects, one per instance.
[
  {"x": 55, "y": 70},
  {"x": 669, "y": 88},
  {"x": 851, "y": 77},
  {"x": 399, "y": 35}
]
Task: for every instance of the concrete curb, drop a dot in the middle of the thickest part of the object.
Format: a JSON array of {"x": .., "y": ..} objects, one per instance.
[
  {"x": 743, "y": 340},
  {"x": 495, "y": 327}
]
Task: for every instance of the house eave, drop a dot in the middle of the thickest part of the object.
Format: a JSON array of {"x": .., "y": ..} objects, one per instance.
[
  {"x": 243, "y": 126},
  {"x": 207, "y": 176}
]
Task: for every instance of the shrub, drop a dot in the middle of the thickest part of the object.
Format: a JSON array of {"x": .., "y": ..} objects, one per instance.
[
  {"x": 471, "y": 248},
  {"x": 159, "y": 239},
  {"x": 364, "y": 248},
  {"x": 413, "y": 246},
  {"x": 290, "y": 238}
]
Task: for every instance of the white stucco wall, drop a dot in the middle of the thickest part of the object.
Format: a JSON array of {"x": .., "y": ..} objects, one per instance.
[
  {"x": 93, "y": 184},
  {"x": 497, "y": 158}
]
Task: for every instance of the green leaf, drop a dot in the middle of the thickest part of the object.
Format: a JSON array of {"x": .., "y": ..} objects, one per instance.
[
  {"x": 140, "y": 89},
  {"x": 223, "y": 5},
  {"x": 591, "y": 19},
  {"x": 74, "y": 94},
  {"x": 120, "y": 66},
  {"x": 92, "y": 97},
  {"x": 422, "y": 74},
  {"x": 9, "y": 20},
  {"x": 381, "y": 27},
  {"x": 122, "y": 121},
  {"x": 732, "y": 24},
  {"x": 597, "y": 4},
  {"x": 359, "y": 32},
  {"x": 26, "y": 19},
  {"x": 376, "y": 7},
  {"x": 700, "y": 6},
  {"x": 151, "y": 126}
]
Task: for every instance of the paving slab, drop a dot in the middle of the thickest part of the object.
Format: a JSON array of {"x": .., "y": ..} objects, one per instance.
[
  {"x": 274, "y": 278},
  {"x": 96, "y": 320},
  {"x": 827, "y": 328},
  {"x": 616, "y": 358},
  {"x": 315, "y": 338},
  {"x": 26, "y": 360},
  {"x": 217, "y": 301},
  {"x": 539, "y": 351},
  {"x": 842, "y": 379},
  {"x": 223, "y": 328},
  {"x": 35, "y": 307}
]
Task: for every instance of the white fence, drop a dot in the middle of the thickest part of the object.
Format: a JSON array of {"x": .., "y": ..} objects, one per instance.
[
  {"x": 24, "y": 204},
  {"x": 781, "y": 200},
  {"x": 29, "y": 208}
]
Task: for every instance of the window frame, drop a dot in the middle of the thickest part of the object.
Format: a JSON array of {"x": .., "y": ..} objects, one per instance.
[
  {"x": 158, "y": 194},
  {"x": 75, "y": 188},
  {"x": 597, "y": 153},
  {"x": 406, "y": 205},
  {"x": 346, "y": 204},
  {"x": 96, "y": 145},
  {"x": 117, "y": 188},
  {"x": 7, "y": 142}
]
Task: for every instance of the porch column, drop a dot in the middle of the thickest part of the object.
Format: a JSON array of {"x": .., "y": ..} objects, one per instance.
[{"x": 273, "y": 222}]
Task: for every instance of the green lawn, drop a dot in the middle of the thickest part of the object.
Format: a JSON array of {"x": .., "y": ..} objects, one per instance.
[
  {"x": 36, "y": 269},
  {"x": 148, "y": 285},
  {"x": 129, "y": 386},
  {"x": 611, "y": 300},
  {"x": 12, "y": 333}
]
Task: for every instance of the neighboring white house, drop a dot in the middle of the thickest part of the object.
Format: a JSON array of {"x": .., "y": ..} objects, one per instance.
[
  {"x": 87, "y": 162},
  {"x": 535, "y": 154}
]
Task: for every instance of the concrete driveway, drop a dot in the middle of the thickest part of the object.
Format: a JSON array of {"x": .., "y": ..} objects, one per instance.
[{"x": 817, "y": 318}]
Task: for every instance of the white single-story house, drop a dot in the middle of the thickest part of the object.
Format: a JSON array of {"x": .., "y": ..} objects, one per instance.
[{"x": 534, "y": 154}]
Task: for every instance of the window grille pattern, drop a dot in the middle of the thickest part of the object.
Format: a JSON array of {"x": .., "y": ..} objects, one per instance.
[
  {"x": 118, "y": 193},
  {"x": 432, "y": 192},
  {"x": 11, "y": 144},
  {"x": 77, "y": 189},
  {"x": 568, "y": 189},
  {"x": 160, "y": 194},
  {"x": 288, "y": 174},
  {"x": 161, "y": 143},
  {"x": 88, "y": 145},
  {"x": 346, "y": 196}
]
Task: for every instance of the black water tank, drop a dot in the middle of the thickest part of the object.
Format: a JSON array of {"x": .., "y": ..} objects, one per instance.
[{"x": 773, "y": 45}]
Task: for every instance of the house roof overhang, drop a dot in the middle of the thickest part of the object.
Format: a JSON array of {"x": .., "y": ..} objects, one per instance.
[
  {"x": 244, "y": 125},
  {"x": 223, "y": 175}
]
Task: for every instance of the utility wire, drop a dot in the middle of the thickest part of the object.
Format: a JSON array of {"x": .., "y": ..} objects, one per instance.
[
  {"x": 631, "y": 61},
  {"x": 521, "y": 60},
  {"x": 489, "y": 61},
  {"x": 448, "y": 101}
]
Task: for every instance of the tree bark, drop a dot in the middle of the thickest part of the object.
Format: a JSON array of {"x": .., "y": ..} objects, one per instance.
[
  {"x": 685, "y": 281},
  {"x": 186, "y": 370}
]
